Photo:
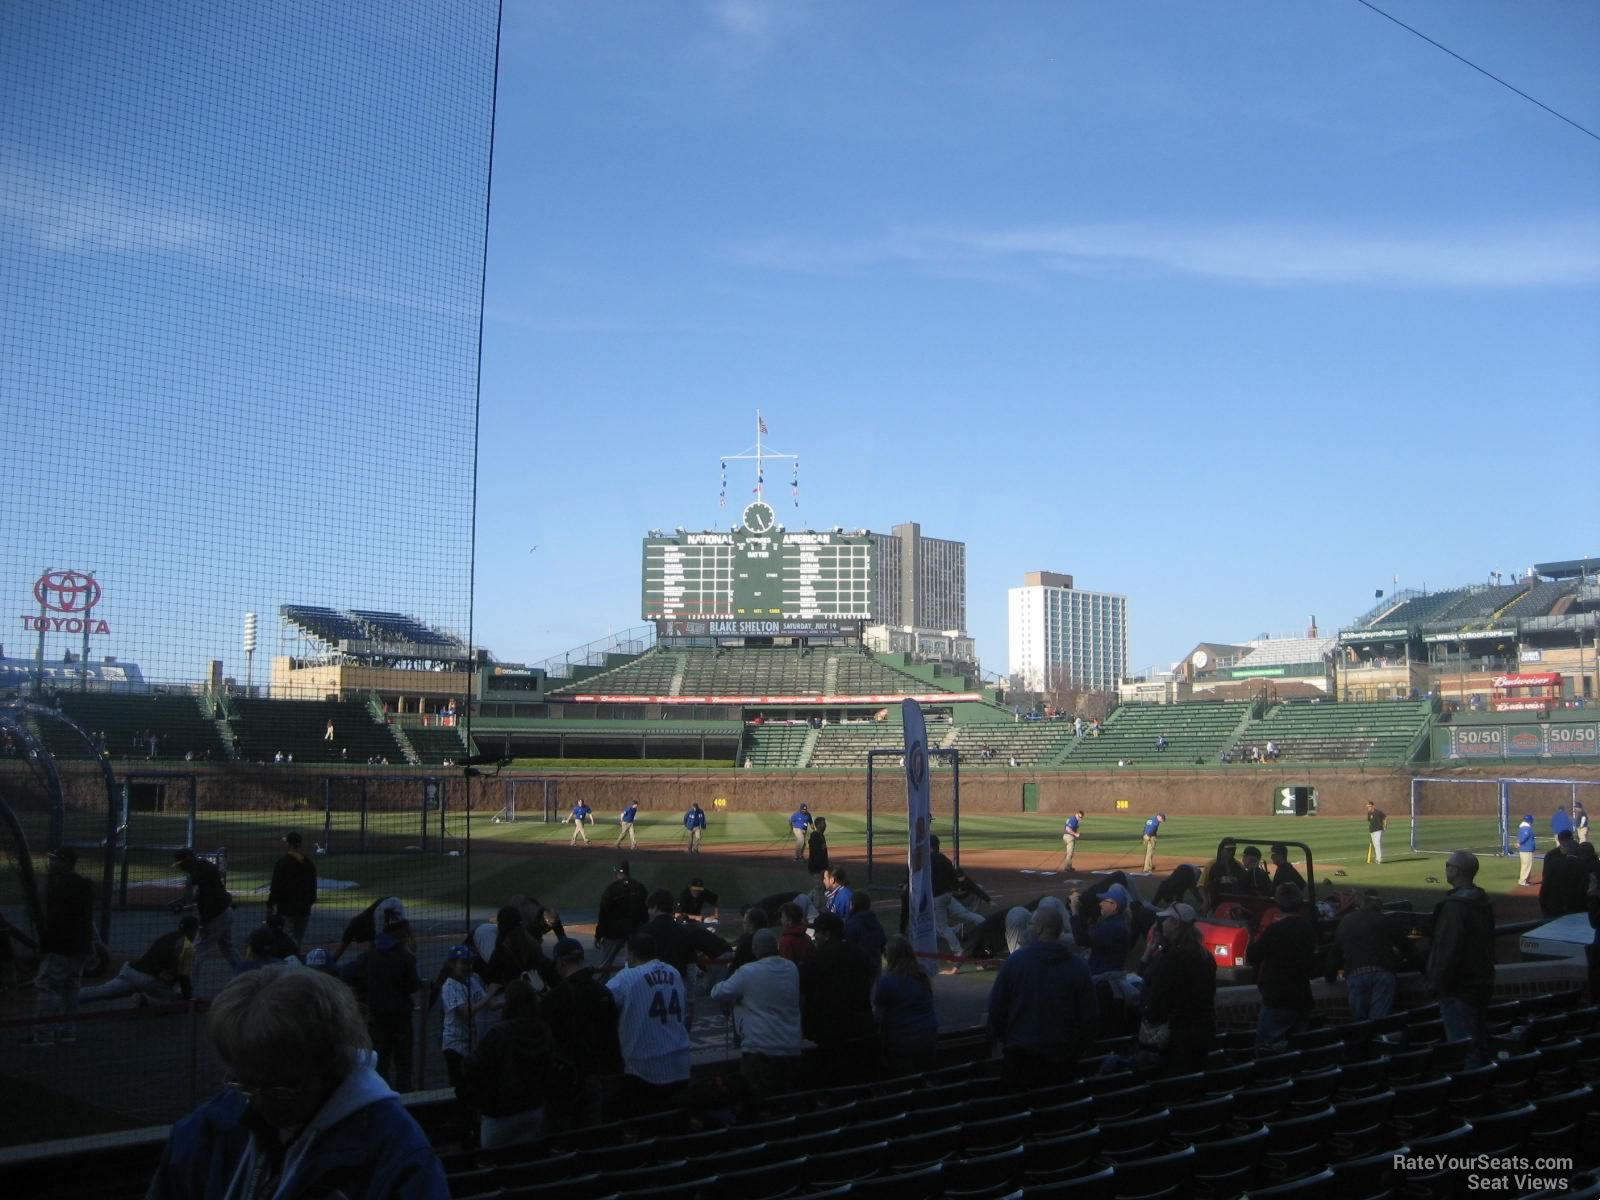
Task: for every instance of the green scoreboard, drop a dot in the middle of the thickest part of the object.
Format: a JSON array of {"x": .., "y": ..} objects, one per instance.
[{"x": 760, "y": 570}]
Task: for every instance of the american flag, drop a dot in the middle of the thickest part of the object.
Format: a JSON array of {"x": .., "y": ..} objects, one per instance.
[{"x": 762, "y": 425}]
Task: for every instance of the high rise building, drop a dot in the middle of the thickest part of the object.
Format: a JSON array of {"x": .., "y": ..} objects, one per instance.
[
  {"x": 922, "y": 581},
  {"x": 1061, "y": 637}
]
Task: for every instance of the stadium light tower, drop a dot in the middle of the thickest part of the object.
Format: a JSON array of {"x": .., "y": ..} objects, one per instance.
[{"x": 249, "y": 649}]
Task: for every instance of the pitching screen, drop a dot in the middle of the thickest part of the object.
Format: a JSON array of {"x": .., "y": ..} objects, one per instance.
[{"x": 788, "y": 575}]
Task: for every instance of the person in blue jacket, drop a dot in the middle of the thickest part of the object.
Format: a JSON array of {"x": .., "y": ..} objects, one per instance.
[
  {"x": 1042, "y": 1008},
  {"x": 304, "y": 1112},
  {"x": 694, "y": 824},
  {"x": 1527, "y": 844},
  {"x": 800, "y": 824}
]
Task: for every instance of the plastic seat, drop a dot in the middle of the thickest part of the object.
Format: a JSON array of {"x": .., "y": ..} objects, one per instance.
[
  {"x": 921, "y": 1149},
  {"x": 692, "y": 1189},
  {"x": 1050, "y": 1156},
  {"x": 1328, "y": 1035},
  {"x": 1361, "y": 1126},
  {"x": 1364, "y": 1076},
  {"x": 762, "y": 1154},
  {"x": 1371, "y": 1175},
  {"x": 1312, "y": 1092},
  {"x": 983, "y": 1175},
  {"x": 843, "y": 1166},
  {"x": 1182, "y": 1089},
  {"x": 1101, "y": 1185},
  {"x": 1319, "y": 1186},
  {"x": 1230, "y": 1079},
  {"x": 1448, "y": 1056},
  {"x": 542, "y": 1170},
  {"x": 1263, "y": 1103},
  {"x": 1157, "y": 1174},
  {"x": 1300, "y": 1144},
  {"x": 1053, "y": 1094},
  {"x": 771, "y": 1181},
  {"x": 1408, "y": 1064},
  {"x": 1502, "y": 1133},
  {"x": 660, "y": 1174},
  {"x": 1202, "y": 1119},
  {"x": 578, "y": 1187},
  {"x": 889, "y": 1105},
  {"x": 1227, "y": 1166},
  {"x": 884, "y": 1129},
  {"x": 1276, "y": 1066},
  {"x": 1118, "y": 1137},
  {"x": 995, "y": 1134},
  {"x": 925, "y": 1183},
  {"x": 618, "y": 1157},
  {"x": 1063, "y": 1118},
  {"x": 1113, "y": 1106}
]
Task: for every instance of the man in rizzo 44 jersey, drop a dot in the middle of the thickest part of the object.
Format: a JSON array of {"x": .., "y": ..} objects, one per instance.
[
  {"x": 580, "y": 813},
  {"x": 652, "y": 1004},
  {"x": 629, "y": 815},
  {"x": 800, "y": 825}
]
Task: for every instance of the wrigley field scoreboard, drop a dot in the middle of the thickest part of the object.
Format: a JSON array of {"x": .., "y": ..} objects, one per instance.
[{"x": 760, "y": 570}]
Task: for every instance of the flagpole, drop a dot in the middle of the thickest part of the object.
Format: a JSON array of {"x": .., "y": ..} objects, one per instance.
[{"x": 760, "y": 475}]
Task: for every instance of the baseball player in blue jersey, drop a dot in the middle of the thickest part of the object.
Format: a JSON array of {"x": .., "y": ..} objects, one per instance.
[
  {"x": 1152, "y": 830},
  {"x": 694, "y": 824},
  {"x": 629, "y": 815},
  {"x": 652, "y": 1004},
  {"x": 800, "y": 823},
  {"x": 580, "y": 813},
  {"x": 1070, "y": 835}
]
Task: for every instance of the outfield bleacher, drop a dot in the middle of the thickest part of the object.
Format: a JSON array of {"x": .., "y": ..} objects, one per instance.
[
  {"x": 1031, "y": 743},
  {"x": 1377, "y": 732},
  {"x": 774, "y": 745},
  {"x": 434, "y": 743},
  {"x": 761, "y": 671},
  {"x": 297, "y": 727},
  {"x": 870, "y": 675},
  {"x": 840, "y": 745},
  {"x": 1196, "y": 732},
  {"x": 180, "y": 724},
  {"x": 650, "y": 674}
]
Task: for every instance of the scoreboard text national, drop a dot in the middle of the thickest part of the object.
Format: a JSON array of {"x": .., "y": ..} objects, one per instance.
[{"x": 759, "y": 570}]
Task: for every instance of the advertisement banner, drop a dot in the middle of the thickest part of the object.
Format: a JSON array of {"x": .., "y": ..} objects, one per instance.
[{"x": 919, "y": 817}]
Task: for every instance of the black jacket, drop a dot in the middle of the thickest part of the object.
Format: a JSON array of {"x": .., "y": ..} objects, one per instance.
[
  {"x": 1367, "y": 939},
  {"x": 1461, "y": 959},
  {"x": 164, "y": 957},
  {"x": 835, "y": 995},
  {"x": 1285, "y": 959},
  {"x": 582, "y": 1015},
  {"x": 680, "y": 944},
  {"x": 622, "y": 910},
  {"x": 515, "y": 1069},
  {"x": 817, "y": 853},
  {"x": 1566, "y": 885},
  {"x": 68, "y": 915},
  {"x": 1180, "y": 988},
  {"x": 211, "y": 898},
  {"x": 294, "y": 886},
  {"x": 386, "y": 977}
]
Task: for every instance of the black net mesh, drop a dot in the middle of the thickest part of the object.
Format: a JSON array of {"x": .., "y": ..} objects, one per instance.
[{"x": 243, "y": 251}]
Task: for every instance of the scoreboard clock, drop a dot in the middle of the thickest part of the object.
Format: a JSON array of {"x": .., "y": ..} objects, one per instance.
[{"x": 759, "y": 570}]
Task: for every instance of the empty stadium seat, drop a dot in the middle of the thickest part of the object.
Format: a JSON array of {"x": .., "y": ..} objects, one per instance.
[
  {"x": 1100, "y": 1185},
  {"x": 982, "y": 1176},
  {"x": 924, "y": 1183},
  {"x": 1317, "y": 1186}
]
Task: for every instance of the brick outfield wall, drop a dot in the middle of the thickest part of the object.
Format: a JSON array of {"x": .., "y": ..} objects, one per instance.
[{"x": 1244, "y": 791}]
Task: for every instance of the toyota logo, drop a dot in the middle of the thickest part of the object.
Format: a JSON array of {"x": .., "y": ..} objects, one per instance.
[{"x": 66, "y": 591}]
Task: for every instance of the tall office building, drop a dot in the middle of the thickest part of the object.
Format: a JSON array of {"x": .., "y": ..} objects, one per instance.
[
  {"x": 922, "y": 581},
  {"x": 1061, "y": 637}
]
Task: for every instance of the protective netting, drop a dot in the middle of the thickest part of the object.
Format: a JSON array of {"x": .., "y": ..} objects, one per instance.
[{"x": 244, "y": 249}]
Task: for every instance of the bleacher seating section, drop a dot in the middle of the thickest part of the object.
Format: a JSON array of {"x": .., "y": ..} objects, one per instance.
[
  {"x": 1470, "y": 605},
  {"x": 1031, "y": 743},
  {"x": 650, "y": 674},
  {"x": 847, "y": 745},
  {"x": 1357, "y": 1110},
  {"x": 774, "y": 745},
  {"x": 780, "y": 671},
  {"x": 434, "y": 744},
  {"x": 869, "y": 675},
  {"x": 180, "y": 723},
  {"x": 296, "y": 727},
  {"x": 1197, "y": 731},
  {"x": 331, "y": 625},
  {"x": 1373, "y": 732}
]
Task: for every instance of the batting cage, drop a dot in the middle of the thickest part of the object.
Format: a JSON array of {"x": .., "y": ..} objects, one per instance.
[{"x": 1482, "y": 815}]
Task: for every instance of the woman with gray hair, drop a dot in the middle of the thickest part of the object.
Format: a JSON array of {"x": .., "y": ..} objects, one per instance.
[{"x": 304, "y": 1111}]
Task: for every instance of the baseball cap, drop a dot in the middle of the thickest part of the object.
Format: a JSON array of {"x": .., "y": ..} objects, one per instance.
[
  {"x": 1163, "y": 816},
  {"x": 1528, "y": 817},
  {"x": 292, "y": 837},
  {"x": 764, "y": 944},
  {"x": 569, "y": 948},
  {"x": 317, "y": 957},
  {"x": 1184, "y": 913},
  {"x": 458, "y": 954},
  {"x": 697, "y": 883},
  {"x": 1118, "y": 893}
]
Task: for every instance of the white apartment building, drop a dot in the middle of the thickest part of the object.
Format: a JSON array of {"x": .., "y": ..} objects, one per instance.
[{"x": 1060, "y": 637}]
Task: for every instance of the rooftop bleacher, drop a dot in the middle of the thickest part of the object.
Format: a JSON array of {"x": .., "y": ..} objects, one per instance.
[
  {"x": 333, "y": 626},
  {"x": 1287, "y": 651},
  {"x": 397, "y": 627},
  {"x": 1378, "y": 733},
  {"x": 1196, "y": 732},
  {"x": 434, "y": 743},
  {"x": 324, "y": 624}
]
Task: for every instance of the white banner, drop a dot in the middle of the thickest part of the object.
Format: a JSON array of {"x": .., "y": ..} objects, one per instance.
[{"x": 919, "y": 861}]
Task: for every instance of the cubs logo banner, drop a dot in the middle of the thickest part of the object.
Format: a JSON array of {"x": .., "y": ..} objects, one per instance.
[{"x": 920, "y": 925}]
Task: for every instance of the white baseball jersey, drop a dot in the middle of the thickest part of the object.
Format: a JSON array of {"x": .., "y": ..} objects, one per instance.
[{"x": 653, "y": 1003}]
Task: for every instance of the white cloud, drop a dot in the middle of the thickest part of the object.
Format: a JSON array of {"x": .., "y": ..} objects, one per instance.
[{"x": 1565, "y": 253}]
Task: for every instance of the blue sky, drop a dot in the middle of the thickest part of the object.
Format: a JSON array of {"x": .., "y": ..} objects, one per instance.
[{"x": 1241, "y": 310}]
